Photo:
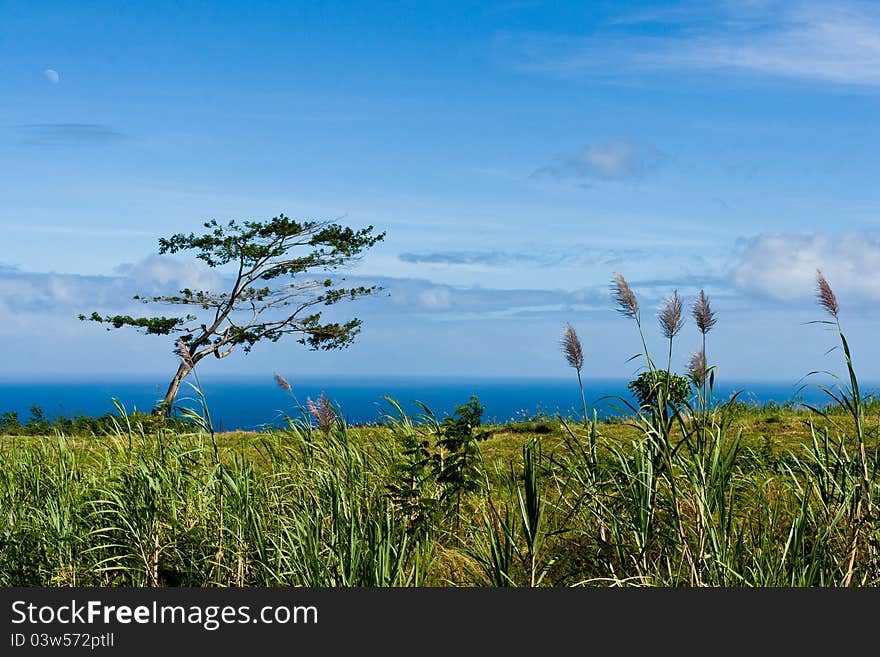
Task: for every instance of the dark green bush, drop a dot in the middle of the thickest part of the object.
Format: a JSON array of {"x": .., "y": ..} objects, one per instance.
[{"x": 649, "y": 385}]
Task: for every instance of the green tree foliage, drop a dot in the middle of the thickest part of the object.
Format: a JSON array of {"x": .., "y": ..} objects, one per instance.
[
  {"x": 411, "y": 484},
  {"x": 649, "y": 386},
  {"x": 458, "y": 461},
  {"x": 437, "y": 463},
  {"x": 271, "y": 294}
]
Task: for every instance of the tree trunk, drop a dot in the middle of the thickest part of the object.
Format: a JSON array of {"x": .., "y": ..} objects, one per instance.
[{"x": 163, "y": 408}]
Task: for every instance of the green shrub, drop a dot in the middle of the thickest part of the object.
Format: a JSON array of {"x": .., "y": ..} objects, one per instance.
[{"x": 649, "y": 385}]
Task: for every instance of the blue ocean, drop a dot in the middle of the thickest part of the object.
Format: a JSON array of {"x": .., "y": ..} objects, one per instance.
[{"x": 252, "y": 404}]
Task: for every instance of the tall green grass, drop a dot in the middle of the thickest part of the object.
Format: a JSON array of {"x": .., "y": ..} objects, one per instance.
[
  {"x": 363, "y": 507},
  {"x": 423, "y": 501},
  {"x": 311, "y": 512}
]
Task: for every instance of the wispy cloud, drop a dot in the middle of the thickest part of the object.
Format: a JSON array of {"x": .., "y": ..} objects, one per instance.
[
  {"x": 68, "y": 134},
  {"x": 424, "y": 297},
  {"x": 829, "y": 42},
  {"x": 60, "y": 294},
  {"x": 90, "y": 231},
  {"x": 30, "y": 292},
  {"x": 67, "y": 295},
  {"x": 819, "y": 41},
  {"x": 534, "y": 256},
  {"x": 73, "y": 293},
  {"x": 158, "y": 274},
  {"x": 421, "y": 296},
  {"x": 783, "y": 266},
  {"x": 611, "y": 160}
]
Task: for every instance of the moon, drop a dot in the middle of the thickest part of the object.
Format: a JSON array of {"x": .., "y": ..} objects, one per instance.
[{"x": 52, "y": 75}]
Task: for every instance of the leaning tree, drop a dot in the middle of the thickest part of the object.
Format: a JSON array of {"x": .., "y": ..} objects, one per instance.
[{"x": 272, "y": 290}]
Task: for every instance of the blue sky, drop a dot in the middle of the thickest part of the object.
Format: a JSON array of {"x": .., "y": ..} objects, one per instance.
[{"x": 516, "y": 153}]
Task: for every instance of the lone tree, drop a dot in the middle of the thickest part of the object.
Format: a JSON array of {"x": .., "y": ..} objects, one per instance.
[{"x": 270, "y": 294}]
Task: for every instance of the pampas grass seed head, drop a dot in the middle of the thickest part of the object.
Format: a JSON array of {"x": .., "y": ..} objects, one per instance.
[
  {"x": 826, "y": 295},
  {"x": 282, "y": 382},
  {"x": 322, "y": 410},
  {"x": 703, "y": 314},
  {"x": 626, "y": 300},
  {"x": 571, "y": 348},
  {"x": 697, "y": 368},
  {"x": 671, "y": 320},
  {"x": 182, "y": 351}
]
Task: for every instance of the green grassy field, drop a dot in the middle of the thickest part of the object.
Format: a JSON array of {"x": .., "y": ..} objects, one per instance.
[{"x": 735, "y": 497}]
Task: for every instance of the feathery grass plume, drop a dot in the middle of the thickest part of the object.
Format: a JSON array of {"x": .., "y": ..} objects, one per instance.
[
  {"x": 703, "y": 314},
  {"x": 571, "y": 348},
  {"x": 284, "y": 385},
  {"x": 574, "y": 354},
  {"x": 322, "y": 410},
  {"x": 670, "y": 317},
  {"x": 826, "y": 295},
  {"x": 628, "y": 305},
  {"x": 852, "y": 401},
  {"x": 697, "y": 368},
  {"x": 626, "y": 300},
  {"x": 282, "y": 382},
  {"x": 182, "y": 351}
]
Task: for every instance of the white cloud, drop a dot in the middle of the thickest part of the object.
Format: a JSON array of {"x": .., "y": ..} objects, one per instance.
[
  {"x": 576, "y": 255},
  {"x": 72, "y": 293},
  {"x": 829, "y": 42},
  {"x": 414, "y": 296},
  {"x": 435, "y": 298},
  {"x": 158, "y": 274},
  {"x": 783, "y": 266},
  {"x": 611, "y": 160}
]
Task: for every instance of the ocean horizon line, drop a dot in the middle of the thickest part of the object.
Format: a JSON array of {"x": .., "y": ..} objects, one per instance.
[
  {"x": 416, "y": 378},
  {"x": 248, "y": 403}
]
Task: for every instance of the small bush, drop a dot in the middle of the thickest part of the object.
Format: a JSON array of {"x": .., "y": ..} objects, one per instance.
[{"x": 649, "y": 385}]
